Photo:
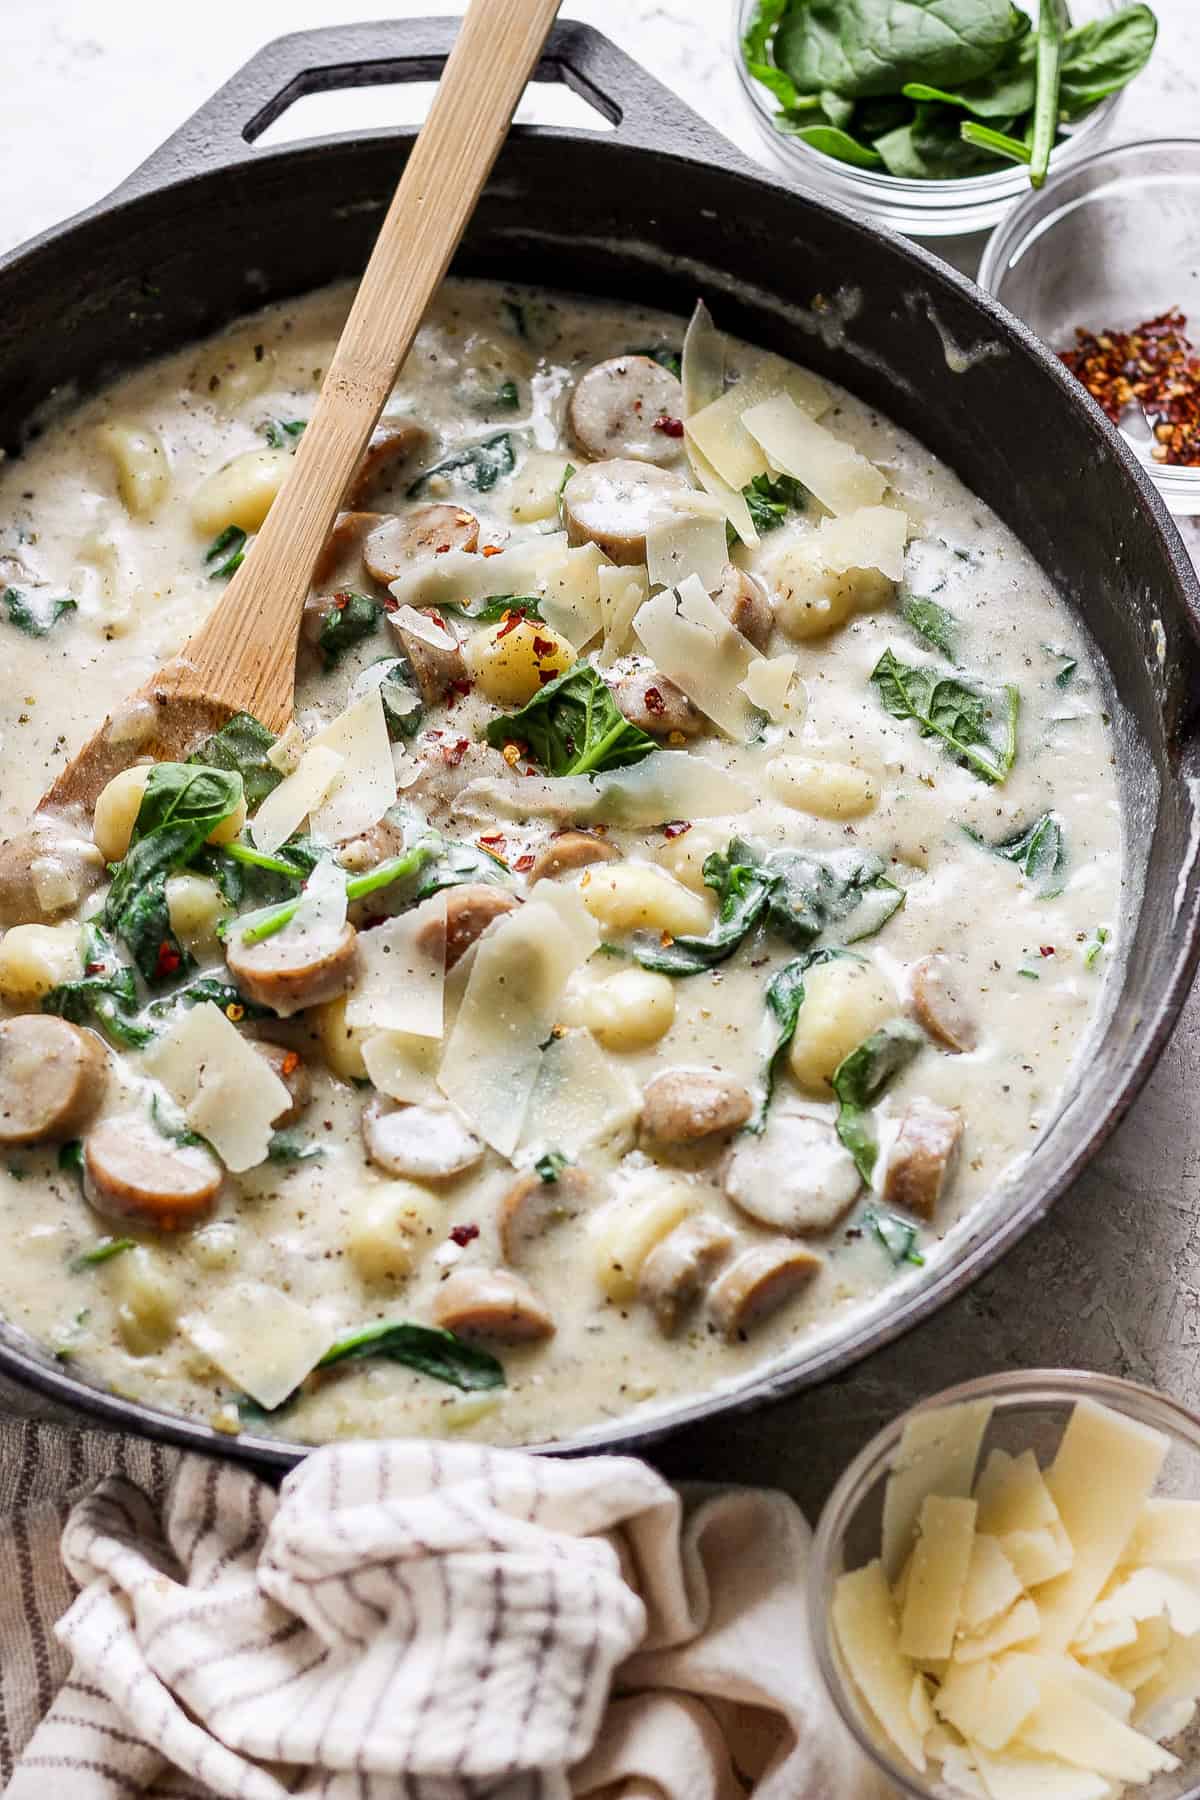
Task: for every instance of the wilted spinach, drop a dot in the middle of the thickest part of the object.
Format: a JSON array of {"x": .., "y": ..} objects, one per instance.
[
  {"x": 898, "y": 1236},
  {"x": 282, "y": 434},
  {"x": 667, "y": 356},
  {"x": 102, "y": 1251},
  {"x": 494, "y": 608},
  {"x": 771, "y": 497},
  {"x": 241, "y": 746},
  {"x": 35, "y": 619},
  {"x": 226, "y": 554},
  {"x": 422, "y": 1347},
  {"x": 105, "y": 995},
  {"x": 977, "y": 724},
  {"x": 931, "y": 622},
  {"x": 784, "y": 998},
  {"x": 1038, "y": 850},
  {"x": 862, "y": 1078},
  {"x": 480, "y": 465},
  {"x": 573, "y": 726},
  {"x": 351, "y": 618}
]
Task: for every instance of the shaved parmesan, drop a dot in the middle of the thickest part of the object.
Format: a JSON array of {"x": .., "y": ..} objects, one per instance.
[
  {"x": 1153, "y": 1637},
  {"x": 720, "y": 431},
  {"x": 1020, "y": 1626},
  {"x": 402, "y": 1065},
  {"x": 962, "y": 1697},
  {"x": 228, "y": 1092},
  {"x": 696, "y": 647},
  {"x": 566, "y": 902},
  {"x": 871, "y": 537},
  {"x": 670, "y": 784},
  {"x": 937, "y": 1454},
  {"x": 1011, "y": 1697},
  {"x": 769, "y": 684},
  {"x": 461, "y": 576},
  {"x": 366, "y": 781},
  {"x": 1106, "y": 1637},
  {"x": 834, "y": 471},
  {"x": 1037, "y": 1556},
  {"x": 285, "y": 809},
  {"x": 960, "y": 1772},
  {"x": 920, "y": 1707},
  {"x": 1099, "y": 1515},
  {"x": 570, "y": 594},
  {"x": 730, "y": 499},
  {"x": 403, "y": 975},
  {"x": 686, "y": 537},
  {"x": 940, "y": 1563},
  {"x": 1176, "y": 1684},
  {"x": 1013, "y": 1496},
  {"x": 621, "y": 591},
  {"x": 991, "y": 1585},
  {"x": 265, "y": 1343},
  {"x": 702, "y": 365},
  {"x": 434, "y": 632},
  {"x": 1021, "y": 1775},
  {"x": 320, "y": 915},
  {"x": 1066, "y": 1724},
  {"x": 1168, "y": 1531},
  {"x": 1149, "y": 1592},
  {"x": 285, "y": 753},
  {"x": 493, "y": 1057},
  {"x": 582, "y": 1098},
  {"x": 867, "y": 1635}
]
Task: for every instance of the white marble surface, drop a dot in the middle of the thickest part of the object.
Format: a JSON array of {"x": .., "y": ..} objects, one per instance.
[{"x": 1112, "y": 1280}]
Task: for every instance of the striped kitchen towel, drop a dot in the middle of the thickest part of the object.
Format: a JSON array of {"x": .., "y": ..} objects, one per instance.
[{"x": 410, "y": 1620}]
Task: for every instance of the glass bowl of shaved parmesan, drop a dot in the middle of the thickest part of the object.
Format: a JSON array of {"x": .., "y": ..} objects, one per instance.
[{"x": 1005, "y": 1593}]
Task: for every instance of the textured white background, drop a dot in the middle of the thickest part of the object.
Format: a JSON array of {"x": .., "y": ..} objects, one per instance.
[{"x": 1111, "y": 1281}]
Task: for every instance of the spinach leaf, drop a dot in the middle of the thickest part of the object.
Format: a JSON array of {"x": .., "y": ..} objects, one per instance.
[
  {"x": 573, "y": 726},
  {"x": 815, "y": 892},
  {"x": 105, "y": 995},
  {"x": 932, "y": 148},
  {"x": 862, "y": 1077},
  {"x": 351, "y": 618},
  {"x": 867, "y": 47},
  {"x": 977, "y": 724},
  {"x": 281, "y": 434},
  {"x": 286, "y": 1147},
  {"x": 182, "y": 803},
  {"x": 982, "y": 137},
  {"x": 226, "y": 554},
  {"x": 743, "y": 883},
  {"x": 481, "y": 465},
  {"x": 1103, "y": 55},
  {"x": 872, "y": 118},
  {"x": 507, "y": 397},
  {"x": 837, "y": 110},
  {"x": 241, "y": 746},
  {"x": 403, "y": 711},
  {"x": 784, "y": 998},
  {"x": 756, "y": 51},
  {"x": 1038, "y": 850},
  {"x": 35, "y": 620},
  {"x": 422, "y": 1347},
  {"x": 932, "y": 622},
  {"x": 232, "y": 1002},
  {"x": 771, "y": 497},
  {"x": 70, "y": 1158},
  {"x": 492, "y": 610},
  {"x": 831, "y": 141},
  {"x": 243, "y": 873},
  {"x": 1093, "y": 950},
  {"x": 667, "y": 356},
  {"x": 102, "y": 1251},
  {"x": 548, "y": 1168},
  {"x": 1051, "y": 28},
  {"x": 1070, "y": 665},
  {"x": 898, "y": 1236}
]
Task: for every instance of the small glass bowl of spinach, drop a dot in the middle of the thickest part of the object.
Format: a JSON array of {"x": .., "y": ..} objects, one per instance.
[{"x": 902, "y": 157}]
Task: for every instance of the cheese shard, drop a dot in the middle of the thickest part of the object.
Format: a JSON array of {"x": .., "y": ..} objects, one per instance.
[
  {"x": 570, "y": 594},
  {"x": 871, "y": 537},
  {"x": 1073, "y": 1727},
  {"x": 1176, "y": 1685},
  {"x": 228, "y": 1092},
  {"x": 1023, "y": 1775},
  {"x": 991, "y": 1585},
  {"x": 696, "y": 647},
  {"x": 686, "y": 536},
  {"x": 962, "y": 1697},
  {"x": 403, "y": 973},
  {"x": 941, "y": 1560},
  {"x": 770, "y": 685},
  {"x": 937, "y": 1454},
  {"x": 670, "y": 784},
  {"x": 833, "y": 470},
  {"x": 621, "y": 591},
  {"x": 402, "y": 1065},
  {"x": 1018, "y": 1626},
  {"x": 582, "y": 1097},
  {"x": 730, "y": 499},
  {"x": 1149, "y": 1592},
  {"x": 1013, "y": 1496},
  {"x": 494, "y": 1053},
  {"x": 366, "y": 781},
  {"x": 1037, "y": 1556},
  {"x": 1099, "y": 1515},
  {"x": 299, "y": 794},
  {"x": 461, "y": 576},
  {"x": 719, "y": 431},
  {"x": 702, "y": 363},
  {"x": 1168, "y": 1531},
  {"x": 263, "y": 1341},
  {"x": 1012, "y": 1695},
  {"x": 870, "y": 1645}
]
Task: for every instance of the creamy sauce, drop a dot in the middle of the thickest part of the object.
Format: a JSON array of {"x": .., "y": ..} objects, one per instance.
[{"x": 1024, "y": 972}]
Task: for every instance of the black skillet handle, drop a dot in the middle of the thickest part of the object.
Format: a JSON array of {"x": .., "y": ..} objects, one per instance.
[{"x": 638, "y": 108}]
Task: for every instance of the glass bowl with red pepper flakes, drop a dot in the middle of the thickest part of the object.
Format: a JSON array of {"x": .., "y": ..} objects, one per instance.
[{"x": 1104, "y": 264}]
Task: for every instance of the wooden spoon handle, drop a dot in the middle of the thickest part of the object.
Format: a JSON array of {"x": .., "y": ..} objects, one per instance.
[{"x": 246, "y": 649}]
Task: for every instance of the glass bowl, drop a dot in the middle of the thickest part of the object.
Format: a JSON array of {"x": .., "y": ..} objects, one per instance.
[
  {"x": 1031, "y": 1409},
  {"x": 922, "y": 209},
  {"x": 1113, "y": 240}
]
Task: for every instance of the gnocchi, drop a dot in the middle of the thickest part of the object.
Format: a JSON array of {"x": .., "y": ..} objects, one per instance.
[
  {"x": 36, "y": 958},
  {"x": 629, "y": 1011},
  {"x": 830, "y": 790},
  {"x": 535, "y": 487},
  {"x": 195, "y": 907},
  {"x": 684, "y": 857},
  {"x": 241, "y": 492},
  {"x": 341, "y": 1043},
  {"x": 140, "y": 460},
  {"x": 389, "y": 1224},
  {"x": 845, "y": 1000},
  {"x": 636, "y": 896},
  {"x": 812, "y": 600},
  {"x": 624, "y": 1232},
  {"x": 511, "y": 661},
  {"x": 147, "y": 1299},
  {"x": 119, "y": 803}
]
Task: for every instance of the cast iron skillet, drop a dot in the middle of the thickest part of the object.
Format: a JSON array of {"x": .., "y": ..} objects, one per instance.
[{"x": 658, "y": 209}]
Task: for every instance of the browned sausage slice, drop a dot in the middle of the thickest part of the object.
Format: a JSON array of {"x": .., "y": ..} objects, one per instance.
[
  {"x": 628, "y": 406},
  {"x": 650, "y": 701},
  {"x": 677, "y": 1270},
  {"x": 938, "y": 1007},
  {"x": 411, "y": 537},
  {"x": 293, "y": 1071},
  {"x": 422, "y": 1143},
  {"x": 747, "y": 605},
  {"x": 436, "y": 670},
  {"x": 491, "y": 1303},
  {"x": 391, "y": 443},
  {"x": 684, "y": 1106},
  {"x": 288, "y": 976},
  {"x": 130, "y": 1172},
  {"x": 531, "y": 1207},
  {"x": 52, "y": 1079},
  {"x": 758, "y": 1284},
  {"x": 46, "y": 871},
  {"x": 923, "y": 1156},
  {"x": 470, "y": 909},
  {"x": 569, "y": 851},
  {"x": 612, "y": 504},
  {"x": 349, "y": 530}
]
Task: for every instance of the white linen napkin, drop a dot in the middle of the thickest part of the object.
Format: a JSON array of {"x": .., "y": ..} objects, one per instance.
[{"x": 410, "y": 1620}]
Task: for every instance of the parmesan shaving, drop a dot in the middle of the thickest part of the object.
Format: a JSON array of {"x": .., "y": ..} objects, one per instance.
[
  {"x": 570, "y": 594},
  {"x": 670, "y": 784},
  {"x": 366, "y": 781},
  {"x": 720, "y": 431},
  {"x": 936, "y": 1455},
  {"x": 228, "y": 1092},
  {"x": 686, "y": 538},
  {"x": 941, "y": 1559},
  {"x": 582, "y": 1098},
  {"x": 461, "y": 576},
  {"x": 732, "y": 502},
  {"x": 866, "y": 1630},
  {"x": 769, "y": 684},
  {"x": 320, "y": 914},
  {"x": 696, "y": 647},
  {"x": 403, "y": 978},
  {"x": 702, "y": 364},
  {"x": 263, "y": 1341},
  {"x": 403, "y": 1066},
  {"x": 1168, "y": 1531},
  {"x": 433, "y": 632},
  {"x": 871, "y": 537},
  {"x": 620, "y": 592},
  {"x": 285, "y": 809},
  {"x": 834, "y": 471}
]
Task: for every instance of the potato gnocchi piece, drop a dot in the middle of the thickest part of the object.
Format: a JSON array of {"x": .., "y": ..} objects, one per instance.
[
  {"x": 629, "y": 1011},
  {"x": 118, "y": 805},
  {"x": 844, "y": 1002},
  {"x": 511, "y": 661},
  {"x": 623, "y": 1233},
  {"x": 533, "y": 495},
  {"x": 636, "y": 896},
  {"x": 341, "y": 1042},
  {"x": 195, "y": 907},
  {"x": 241, "y": 493},
  {"x": 829, "y": 790},
  {"x": 147, "y": 1299},
  {"x": 389, "y": 1224},
  {"x": 36, "y": 958},
  {"x": 140, "y": 460},
  {"x": 684, "y": 856},
  {"x": 812, "y": 600}
]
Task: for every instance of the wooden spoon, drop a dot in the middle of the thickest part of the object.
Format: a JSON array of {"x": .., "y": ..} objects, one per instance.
[{"x": 243, "y": 658}]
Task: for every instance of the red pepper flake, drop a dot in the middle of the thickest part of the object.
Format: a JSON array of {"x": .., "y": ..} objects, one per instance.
[
  {"x": 1046, "y": 949},
  {"x": 437, "y": 619},
  {"x": 676, "y": 828},
  {"x": 544, "y": 646},
  {"x": 340, "y": 602},
  {"x": 291, "y": 1063},
  {"x": 523, "y": 864},
  {"x": 510, "y": 621},
  {"x": 235, "y": 1013},
  {"x": 462, "y": 1235},
  {"x": 654, "y": 700},
  {"x": 458, "y": 690},
  {"x": 440, "y": 549},
  {"x": 665, "y": 939},
  {"x": 491, "y": 549},
  {"x": 545, "y": 675},
  {"x": 93, "y": 968},
  {"x": 1155, "y": 367},
  {"x": 168, "y": 959},
  {"x": 672, "y": 428},
  {"x": 493, "y": 839},
  {"x": 452, "y": 754}
]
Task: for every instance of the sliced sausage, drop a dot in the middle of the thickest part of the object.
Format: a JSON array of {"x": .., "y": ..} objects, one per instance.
[
  {"x": 747, "y": 605},
  {"x": 470, "y": 909},
  {"x": 288, "y": 975},
  {"x": 652, "y": 702},
  {"x": 936, "y": 1004},
  {"x": 293, "y": 1071},
  {"x": 46, "y": 871},
  {"x": 423, "y": 1143},
  {"x": 569, "y": 851},
  {"x": 411, "y": 537},
  {"x": 628, "y": 406},
  {"x": 758, "y": 1284},
  {"x": 678, "y": 1269},
  {"x": 391, "y": 443},
  {"x": 531, "y": 1207},
  {"x": 131, "y": 1172},
  {"x": 612, "y": 504},
  {"x": 923, "y": 1156},
  {"x": 796, "y": 1176},
  {"x": 52, "y": 1079},
  {"x": 682, "y": 1106},
  {"x": 349, "y": 530},
  {"x": 491, "y": 1303},
  {"x": 436, "y": 670}
]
